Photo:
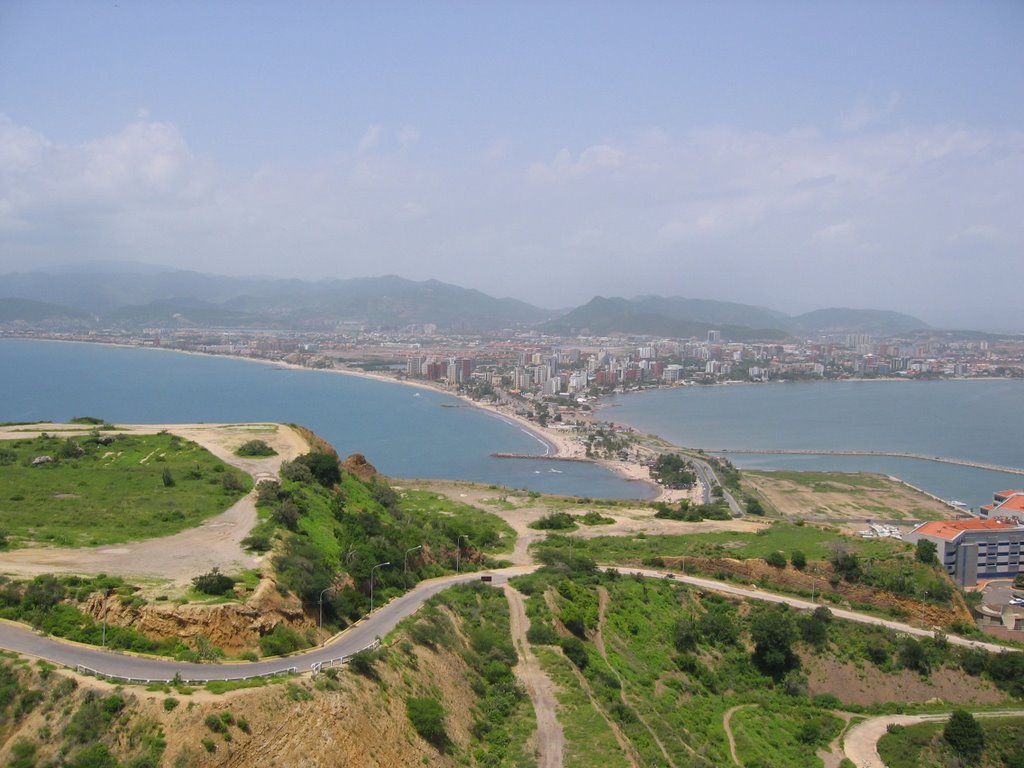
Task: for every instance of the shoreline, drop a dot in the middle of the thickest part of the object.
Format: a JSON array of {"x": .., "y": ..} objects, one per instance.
[{"x": 555, "y": 444}]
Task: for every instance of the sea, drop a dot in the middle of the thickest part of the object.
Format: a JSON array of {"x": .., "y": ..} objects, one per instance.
[
  {"x": 409, "y": 432},
  {"x": 406, "y": 432},
  {"x": 972, "y": 420}
]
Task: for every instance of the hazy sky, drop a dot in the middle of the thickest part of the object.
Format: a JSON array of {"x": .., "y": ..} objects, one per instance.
[{"x": 791, "y": 154}]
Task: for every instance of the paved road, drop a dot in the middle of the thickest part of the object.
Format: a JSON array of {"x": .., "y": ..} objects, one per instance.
[
  {"x": 861, "y": 742},
  {"x": 709, "y": 480},
  {"x": 16, "y": 637}
]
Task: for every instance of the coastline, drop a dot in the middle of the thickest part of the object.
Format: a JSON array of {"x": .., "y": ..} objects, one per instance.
[{"x": 554, "y": 442}]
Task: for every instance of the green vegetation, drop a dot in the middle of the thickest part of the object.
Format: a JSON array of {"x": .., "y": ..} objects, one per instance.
[
  {"x": 427, "y": 717},
  {"x": 82, "y": 726},
  {"x": 692, "y": 513},
  {"x": 673, "y": 471},
  {"x": 329, "y": 528},
  {"x": 1001, "y": 741},
  {"x": 816, "y": 544},
  {"x": 103, "y": 489},
  {"x": 502, "y": 715},
  {"x": 213, "y": 583},
  {"x": 665, "y": 663},
  {"x": 255, "y": 448}
]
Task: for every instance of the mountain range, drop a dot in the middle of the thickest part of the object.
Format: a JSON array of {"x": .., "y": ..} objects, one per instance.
[{"x": 112, "y": 296}]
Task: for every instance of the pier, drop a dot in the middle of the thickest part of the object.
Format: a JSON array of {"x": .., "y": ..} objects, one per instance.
[
  {"x": 895, "y": 454},
  {"x": 545, "y": 456}
]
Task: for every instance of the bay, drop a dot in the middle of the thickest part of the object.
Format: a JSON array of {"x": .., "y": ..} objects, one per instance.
[
  {"x": 402, "y": 430},
  {"x": 976, "y": 420}
]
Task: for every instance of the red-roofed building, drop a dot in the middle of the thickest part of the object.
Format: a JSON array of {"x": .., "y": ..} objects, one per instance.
[
  {"x": 976, "y": 549},
  {"x": 1005, "y": 504}
]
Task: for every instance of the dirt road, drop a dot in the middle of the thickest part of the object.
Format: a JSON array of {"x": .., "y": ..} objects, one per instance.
[
  {"x": 861, "y": 742},
  {"x": 549, "y": 740},
  {"x": 180, "y": 557}
]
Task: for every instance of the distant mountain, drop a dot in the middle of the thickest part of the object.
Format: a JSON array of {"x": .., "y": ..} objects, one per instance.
[
  {"x": 716, "y": 313},
  {"x": 36, "y": 312},
  {"x": 675, "y": 316},
  {"x": 174, "y": 298},
  {"x": 607, "y": 316},
  {"x": 131, "y": 296},
  {"x": 876, "y": 322}
]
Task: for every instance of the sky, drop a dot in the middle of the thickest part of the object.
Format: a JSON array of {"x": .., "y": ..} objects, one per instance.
[{"x": 791, "y": 154}]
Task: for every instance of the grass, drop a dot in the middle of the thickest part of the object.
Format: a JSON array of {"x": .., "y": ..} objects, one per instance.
[
  {"x": 827, "y": 482},
  {"x": 220, "y": 687},
  {"x": 922, "y": 745},
  {"x": 589, "y": 739},
  {"x": 816, "y": 543},
  {"x": 137, "y": 487}
]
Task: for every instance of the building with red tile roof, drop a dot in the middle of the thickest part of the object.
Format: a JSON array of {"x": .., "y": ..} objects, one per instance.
[{"x": 986, "y": 548}]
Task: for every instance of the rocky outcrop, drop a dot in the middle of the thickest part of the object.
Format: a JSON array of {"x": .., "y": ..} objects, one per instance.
[
  {"x": 233, "y": 627},
  {"x": 357, "y": 465}
]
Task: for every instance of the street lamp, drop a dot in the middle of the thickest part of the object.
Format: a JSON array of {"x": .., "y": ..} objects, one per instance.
[
  {"x": 458, "y": 552},
  {"x": 405, "y": 564},
  {"x": 378, "y": 565},
  {"x": 320, "y": 630}
]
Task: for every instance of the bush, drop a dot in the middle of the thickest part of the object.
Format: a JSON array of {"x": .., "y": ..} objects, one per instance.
[
  {"x": 776, "y": 560},
  {"x": 213, "y": 583},
  {"x": 427, "y": 717},
  {"x": 323, "y": 467},
  {"x": 282, "y": 640},
  {"x": 575, "y": 651},
  {"x": 798, "y": 560},
  {"x": 170, "y": 703},
  {"x": 255, "y": 448}
]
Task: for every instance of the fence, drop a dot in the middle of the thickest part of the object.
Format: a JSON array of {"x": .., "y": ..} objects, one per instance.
[
  {"x": 317, "y": 666},
  {"x": 83, "y": 670}
]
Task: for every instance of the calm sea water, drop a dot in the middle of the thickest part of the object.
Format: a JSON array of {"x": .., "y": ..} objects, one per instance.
[
  {"x": 403, "y": 431},
  {"x": 979, "y": 421}
]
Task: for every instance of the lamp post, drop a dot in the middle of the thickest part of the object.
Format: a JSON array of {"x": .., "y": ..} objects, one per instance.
[
  {"x": 320, "y": 601},
  {"x": 405, "y": 564},
  {"x": 458, "y": 552},
  {"x": 378, "y": 565}
]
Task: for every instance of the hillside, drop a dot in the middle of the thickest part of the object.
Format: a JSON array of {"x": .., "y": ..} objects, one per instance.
[
  {"x": 177, "y": 298},
  {"x": 675, "y": 316}
]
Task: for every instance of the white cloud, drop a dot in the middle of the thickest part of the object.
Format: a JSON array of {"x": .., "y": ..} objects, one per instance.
[
  {"x": 866, "y": 113},
  {"x": 856, "y": 219}
]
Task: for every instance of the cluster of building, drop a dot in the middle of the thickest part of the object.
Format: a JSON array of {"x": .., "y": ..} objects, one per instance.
[{"x": 987, "y": 547}]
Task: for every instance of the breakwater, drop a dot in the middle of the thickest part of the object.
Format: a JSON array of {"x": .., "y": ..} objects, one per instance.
[
  {"x": 546, "y": 457},
  {"x": 896, "y": 454}
]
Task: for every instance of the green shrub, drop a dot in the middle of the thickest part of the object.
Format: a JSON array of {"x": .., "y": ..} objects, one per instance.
[
  {"x": 427, "y": 718},
  {"x": 255, "y": 448},
  {"x": 575, "y": 651},
  {"x": 170, "y": 703},
  {"x": 213, "y": 583},
  {"x": 282, "y": 640}
]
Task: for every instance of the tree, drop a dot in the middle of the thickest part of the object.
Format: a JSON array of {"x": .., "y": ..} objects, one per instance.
[
  {"x": 926, "y": 552},
  {"x": 776, "y": 559},
  {"x": 323, "y": 466},
  {"x": 773, "y": 631},
  {"x": 963, "y": 733},
  {"x": 798, "y": 559},
  {"x": 213, "y": 583}
]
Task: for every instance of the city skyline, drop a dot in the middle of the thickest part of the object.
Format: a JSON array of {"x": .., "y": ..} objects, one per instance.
[{"x": 796, "y": 157}]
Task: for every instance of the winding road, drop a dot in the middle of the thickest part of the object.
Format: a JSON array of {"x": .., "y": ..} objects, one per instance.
[{"x": 22, "y": 639}]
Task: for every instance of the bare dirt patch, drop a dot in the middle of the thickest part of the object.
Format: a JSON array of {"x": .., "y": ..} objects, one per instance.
[
  {"x": 863, "y": 684},
  {"x": 839, "y": 497}
]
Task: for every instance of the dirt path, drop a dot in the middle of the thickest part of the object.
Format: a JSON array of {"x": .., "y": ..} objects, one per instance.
[
  {"x": 861, "y": 742},
  {"x": 181, "y": 556},
  {"x": 727, "y": 727},
  {"x": 602, "y": 610},
  {"x": 549, "y": 742}
]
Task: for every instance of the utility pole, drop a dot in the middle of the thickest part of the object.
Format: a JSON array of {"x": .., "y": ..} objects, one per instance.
[{"x": 405, "y": 564}]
